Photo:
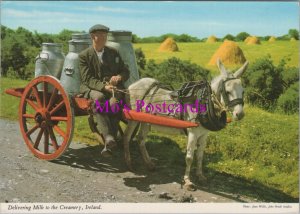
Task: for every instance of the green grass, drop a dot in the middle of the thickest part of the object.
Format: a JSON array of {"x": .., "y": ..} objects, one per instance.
[
  {"x": 263, "y": 147},
  {"x": 201, "y": 52},
  {"x": 9, "y": 104},
  {"x": 257, "y": 156}
]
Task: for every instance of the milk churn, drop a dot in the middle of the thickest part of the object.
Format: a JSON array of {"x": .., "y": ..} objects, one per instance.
[
  {"x": 50, "y": 61},
  {"x": 82, "y": 37},
  {"x": 70, "y": 75},
  {"x": 121, "y": 40}
]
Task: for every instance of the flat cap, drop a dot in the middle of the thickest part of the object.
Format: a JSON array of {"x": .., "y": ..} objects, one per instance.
[{"x": 98, "y": 27}]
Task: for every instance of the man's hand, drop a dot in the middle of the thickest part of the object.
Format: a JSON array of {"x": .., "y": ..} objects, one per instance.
[
  {"x": 114, "y": 80},
  {"x": 108, "y": 88}
]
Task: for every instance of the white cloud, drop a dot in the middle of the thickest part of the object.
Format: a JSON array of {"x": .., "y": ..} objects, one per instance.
[
  {"x": 110, "y": 9},
  {"x": 16, "y": 13},
  {"x": 116, "y": 10},
  {"x": 12, "y": 13}
]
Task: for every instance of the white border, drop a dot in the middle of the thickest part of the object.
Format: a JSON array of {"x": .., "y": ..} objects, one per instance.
[{"x": 287, "y": 208}]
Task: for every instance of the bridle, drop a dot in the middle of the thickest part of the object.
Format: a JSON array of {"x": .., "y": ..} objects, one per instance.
[{"x": 230, "y": 103}]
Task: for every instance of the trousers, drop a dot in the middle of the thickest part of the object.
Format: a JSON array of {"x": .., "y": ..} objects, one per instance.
[{"x": 107, "y": 124}]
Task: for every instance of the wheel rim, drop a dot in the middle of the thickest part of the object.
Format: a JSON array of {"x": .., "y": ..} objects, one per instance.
[{"x": 46, "y": 118}]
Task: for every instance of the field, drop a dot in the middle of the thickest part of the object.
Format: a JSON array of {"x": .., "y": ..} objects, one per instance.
[
  {"x": 200, "y": 52},
  {"x": 257, "y": 157}
]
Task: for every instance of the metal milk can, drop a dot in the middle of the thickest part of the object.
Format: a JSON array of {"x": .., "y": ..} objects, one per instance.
[
  {"x": 50, "y": 61},
  {"x": 70, "y": 75},
  {"x": 82, "y": 37},
  {"x": 121, "y": 40}
]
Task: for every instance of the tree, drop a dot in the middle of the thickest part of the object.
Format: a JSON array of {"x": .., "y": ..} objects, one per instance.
[
  {"x": 14, "y": 57},
  {"x": 135, "y": 38},
  {"x": 293, "y": 33},
  {"x": 65, "y": 35},
  {"x": 242, "y": 36},
  {"x": 165, "y": 36},
  {"x": 141, "y": 60},
  {"x": 290, "y": 76},
  {"x": 174, "y": 71},
  {"x": 5, "y": 31},
  {"x": 283, "y": 37},
  {"x": 26, "y": 36},
  {"x": 265, "y": 38},
  {"x": 288, "y": 102},
  {"x": 161, "y": 38},
  {"x": 229, "y": 37},
  {"x": 263, "y": 82},
  {"x": 186, "y": 38}
]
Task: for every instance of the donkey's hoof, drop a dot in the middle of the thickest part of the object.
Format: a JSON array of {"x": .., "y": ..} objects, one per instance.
[
  {"x": 202, "y": 178},
  {"x": 151, "y": 166},
  {"x": 107, "y": 153},
  {"x": 189, "y": 186},
  {"x": 129, "y": 166}
]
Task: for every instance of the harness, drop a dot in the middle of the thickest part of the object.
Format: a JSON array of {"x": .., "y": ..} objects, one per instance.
[
  {"x": 158, "y": 85},
  {"x": 211, "y": 118},
  {"x": 229, "y": 103}
]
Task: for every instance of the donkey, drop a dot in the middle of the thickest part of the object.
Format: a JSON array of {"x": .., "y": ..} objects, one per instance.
[{"x": 228, "y": 91}]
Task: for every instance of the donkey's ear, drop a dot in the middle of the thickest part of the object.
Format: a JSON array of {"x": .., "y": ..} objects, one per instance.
[
  {"x": 221, "y": 68},
  {"x": 241, "y": 70}
]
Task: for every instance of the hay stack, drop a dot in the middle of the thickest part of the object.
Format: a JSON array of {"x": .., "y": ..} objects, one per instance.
[
  {"x": 253, "y": 40},
  {"x": 247, "y": 39},
  {"x": 272, "y": 39},
  {"x": 168, "y": 45},
  {"x": 293, "y": 39},
  {"x": 211, "y": 39},
  {"x": 229, "y": 53}
]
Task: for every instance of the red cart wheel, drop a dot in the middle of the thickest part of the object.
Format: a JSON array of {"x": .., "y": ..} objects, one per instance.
[{"x": 46, "y": 118}]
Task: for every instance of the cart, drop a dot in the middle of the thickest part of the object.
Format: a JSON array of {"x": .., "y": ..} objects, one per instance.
[{"x": 46, "y": 116}]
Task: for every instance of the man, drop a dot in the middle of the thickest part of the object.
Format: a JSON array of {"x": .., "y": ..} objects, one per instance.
[{"x": 101, "y": 70}]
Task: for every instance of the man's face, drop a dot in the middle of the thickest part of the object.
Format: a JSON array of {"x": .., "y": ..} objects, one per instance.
[{"x": 99, "y": 38}]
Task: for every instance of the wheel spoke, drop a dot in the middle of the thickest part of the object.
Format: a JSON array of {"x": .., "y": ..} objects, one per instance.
[
  {"x": 28, "y": 116},
  {"x": 59, "y": 118},
  {"x": 45, "y": 94},
  {"x": 29, "y": 132},
  {"x": 59, "y": 131},
  {"x": 45, "y": 123},
  {"x": 38, "y": 139},
  {"x": 61, "y": 104},
  {"x": 52, "y": 98},
  {"x": 36, "y": 94},
  {"x": 32, "y": 104},
  {"x": 46, "y": 142},
  {"x": 53, "y": 138}
]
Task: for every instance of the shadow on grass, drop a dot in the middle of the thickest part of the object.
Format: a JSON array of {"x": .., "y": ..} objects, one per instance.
[
  {"x": 170, "y": 167},
  {"x": 223, "y": 184}
]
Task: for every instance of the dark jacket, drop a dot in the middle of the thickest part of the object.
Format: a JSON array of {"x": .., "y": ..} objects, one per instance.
[{"x": 93, "y": 73}]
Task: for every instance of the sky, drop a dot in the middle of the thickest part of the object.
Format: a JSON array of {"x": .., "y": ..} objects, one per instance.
[{"x": 154, "y": 18}]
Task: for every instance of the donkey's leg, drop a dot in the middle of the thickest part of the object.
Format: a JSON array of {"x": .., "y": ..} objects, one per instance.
[
  {"x": 201, "y": 144},
  {"x": 126, "y": 138},
  {"x": 191, "y": 146},
  {"x": 141, "y": 138}
]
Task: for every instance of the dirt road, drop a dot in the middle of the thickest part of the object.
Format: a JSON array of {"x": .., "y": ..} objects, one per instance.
[{"x": 82, "y": 175}]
